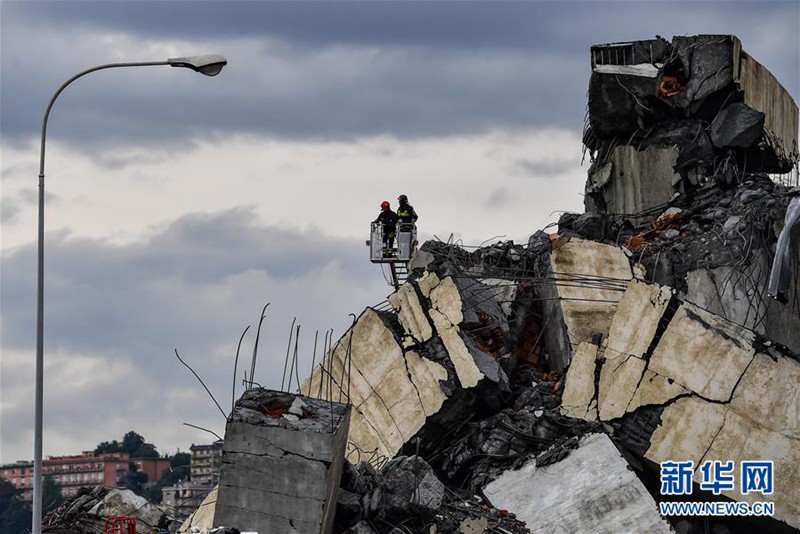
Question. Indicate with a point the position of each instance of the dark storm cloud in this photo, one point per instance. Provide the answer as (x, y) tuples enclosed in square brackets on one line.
[(348, 69), (542, 169), (114, 314), (156, 292), (466, 24), (540, 25)]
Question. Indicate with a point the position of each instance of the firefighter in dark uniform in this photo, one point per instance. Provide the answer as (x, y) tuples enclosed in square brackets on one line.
[(388, 219), (405, 211)]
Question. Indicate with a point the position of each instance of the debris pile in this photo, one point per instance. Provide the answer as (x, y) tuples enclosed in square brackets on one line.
[(538, 388), (87, 512), (668, 118), (406, 496), (531, 425)]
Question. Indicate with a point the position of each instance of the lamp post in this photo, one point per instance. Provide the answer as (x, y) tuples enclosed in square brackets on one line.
[(210, 65)]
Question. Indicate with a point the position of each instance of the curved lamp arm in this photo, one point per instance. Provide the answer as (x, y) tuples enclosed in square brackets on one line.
[(209, 65)]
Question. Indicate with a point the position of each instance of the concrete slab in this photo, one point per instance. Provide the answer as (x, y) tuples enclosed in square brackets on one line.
[(587, 281), (591, 491), (468, 373), (392, 392), (410, 313), (630, 334), (723, 399), (579, 390), (703, 353), (203, 517)]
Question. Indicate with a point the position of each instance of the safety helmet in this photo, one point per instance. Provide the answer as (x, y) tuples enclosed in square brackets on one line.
[(385, 204), (402, 199)]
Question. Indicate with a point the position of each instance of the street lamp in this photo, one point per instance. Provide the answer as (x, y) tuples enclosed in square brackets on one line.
[(209, 65)]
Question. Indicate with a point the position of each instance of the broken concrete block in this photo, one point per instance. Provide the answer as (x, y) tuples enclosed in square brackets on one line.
[(466, 303), (630, 335), (591, 491), (201, 519), (693, 351), (729, 292), (640, 180), (707, 61), (504, 293), (737, 125), (637, 318), (392, 393), (467, 371), (768, 393), (588, 279), (474, 298), (579, 392), (297, 407), (620, 377), (654, 389), (724, 399), (410, 313), (408, 485), (299, 462), (420, 260), (427, 282), (446, 299), (694, 429), (708, 79), (124, 502), (703, 353), (424, 373)]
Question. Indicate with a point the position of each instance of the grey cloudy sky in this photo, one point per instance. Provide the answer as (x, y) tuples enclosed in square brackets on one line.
[(178, 205)]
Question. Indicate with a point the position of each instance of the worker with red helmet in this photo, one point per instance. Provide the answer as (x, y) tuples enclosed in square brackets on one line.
[(388, 219)]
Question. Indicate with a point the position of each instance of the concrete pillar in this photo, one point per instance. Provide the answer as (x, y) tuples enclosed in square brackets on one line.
[(282, 463)]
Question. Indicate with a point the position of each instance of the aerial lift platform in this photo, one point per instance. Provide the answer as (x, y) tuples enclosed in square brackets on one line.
[(397, 258)]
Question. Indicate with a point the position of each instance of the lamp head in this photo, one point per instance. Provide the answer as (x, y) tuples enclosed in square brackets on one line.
[(210, 65)]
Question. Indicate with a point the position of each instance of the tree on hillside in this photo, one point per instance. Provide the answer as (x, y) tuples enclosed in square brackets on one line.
[(180, 459), (135, 445), (108, 446), (132, 443), (15, 516)]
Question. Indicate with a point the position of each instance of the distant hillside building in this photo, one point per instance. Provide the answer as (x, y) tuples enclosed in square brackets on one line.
[(84, 470), (153, 467), (184, 497), (205, 463), (20, 474)]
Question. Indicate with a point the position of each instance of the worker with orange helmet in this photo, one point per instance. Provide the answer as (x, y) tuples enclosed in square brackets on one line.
[(388, 219)]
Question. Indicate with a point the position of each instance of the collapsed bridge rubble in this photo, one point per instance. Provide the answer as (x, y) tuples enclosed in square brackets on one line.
[(89, 509), (465, 390), (645, 319), (538, 387)]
